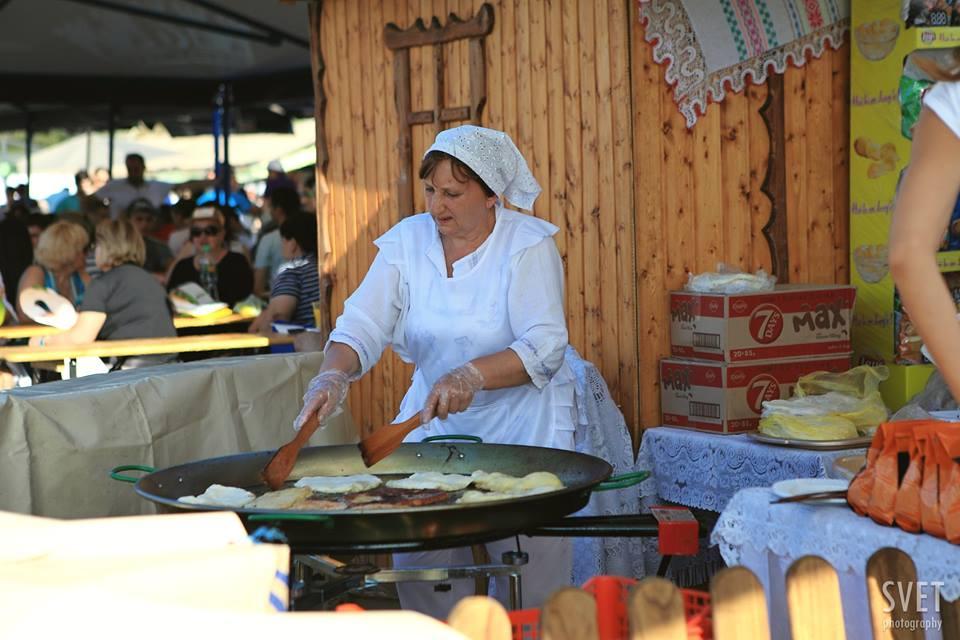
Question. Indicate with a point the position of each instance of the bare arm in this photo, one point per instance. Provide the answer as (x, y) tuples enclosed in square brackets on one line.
[(926, 200), (32, 277), (280, 308), (341, 357), (84, 331), (502, 369), (260, 288)]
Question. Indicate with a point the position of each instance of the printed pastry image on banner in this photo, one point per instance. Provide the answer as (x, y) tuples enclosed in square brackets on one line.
[(712, 47)]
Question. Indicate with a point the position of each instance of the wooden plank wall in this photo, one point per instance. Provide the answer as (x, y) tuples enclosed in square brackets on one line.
[(698, 191), (639, 199)]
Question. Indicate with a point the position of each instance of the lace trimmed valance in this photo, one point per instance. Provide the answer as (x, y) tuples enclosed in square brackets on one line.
[(711, 46)]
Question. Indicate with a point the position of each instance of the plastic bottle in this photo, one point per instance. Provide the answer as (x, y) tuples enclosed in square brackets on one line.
[(208, 273)]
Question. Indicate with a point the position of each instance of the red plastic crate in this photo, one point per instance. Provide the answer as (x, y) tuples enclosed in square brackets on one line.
[(611, 593)]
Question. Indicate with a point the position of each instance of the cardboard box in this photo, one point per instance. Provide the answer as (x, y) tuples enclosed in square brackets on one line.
[(727, 398), (792, 321)]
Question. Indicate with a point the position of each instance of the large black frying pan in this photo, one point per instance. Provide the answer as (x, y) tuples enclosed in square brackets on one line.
[(433, 526)]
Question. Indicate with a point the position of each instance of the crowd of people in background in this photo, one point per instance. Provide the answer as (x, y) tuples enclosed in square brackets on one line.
[(260, 246)]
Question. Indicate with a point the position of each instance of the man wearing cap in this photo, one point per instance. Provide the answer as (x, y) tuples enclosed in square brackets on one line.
[(471, 293)]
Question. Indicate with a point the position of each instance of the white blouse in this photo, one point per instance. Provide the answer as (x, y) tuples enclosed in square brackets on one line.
[(506, 294), (944, 100)]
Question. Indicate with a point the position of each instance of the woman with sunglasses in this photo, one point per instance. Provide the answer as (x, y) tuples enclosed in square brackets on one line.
[(208, 235)]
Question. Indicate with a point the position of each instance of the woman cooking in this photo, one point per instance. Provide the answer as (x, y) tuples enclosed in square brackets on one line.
[(471, 293)]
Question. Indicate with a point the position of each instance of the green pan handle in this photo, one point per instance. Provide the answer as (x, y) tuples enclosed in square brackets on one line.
[(622, 481), (453, 436), (116, 475), (288, 517)]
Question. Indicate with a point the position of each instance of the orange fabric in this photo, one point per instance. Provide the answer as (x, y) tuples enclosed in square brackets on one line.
[(949, 440), (930, 518), (912, 478), (858, 495), (896, 439)]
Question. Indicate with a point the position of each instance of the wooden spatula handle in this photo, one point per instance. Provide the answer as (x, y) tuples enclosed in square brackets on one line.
[(307, 430)]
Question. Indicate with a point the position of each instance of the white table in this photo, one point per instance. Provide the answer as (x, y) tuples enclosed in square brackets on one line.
[(704, 470), (767, 539)]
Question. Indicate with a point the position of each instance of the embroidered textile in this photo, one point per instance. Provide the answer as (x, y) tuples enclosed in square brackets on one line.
[(713, 46)]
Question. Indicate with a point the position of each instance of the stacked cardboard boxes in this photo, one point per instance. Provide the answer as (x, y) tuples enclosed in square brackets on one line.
[(730, 352)]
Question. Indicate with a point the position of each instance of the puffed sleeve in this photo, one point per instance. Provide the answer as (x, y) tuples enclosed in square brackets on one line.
[(371, 313), (535, 304)]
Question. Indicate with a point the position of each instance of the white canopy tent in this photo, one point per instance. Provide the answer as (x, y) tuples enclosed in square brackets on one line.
[(147, 58), (104, 64)]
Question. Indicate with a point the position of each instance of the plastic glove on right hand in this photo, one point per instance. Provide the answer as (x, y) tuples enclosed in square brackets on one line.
[(325, 394), (452, 393)]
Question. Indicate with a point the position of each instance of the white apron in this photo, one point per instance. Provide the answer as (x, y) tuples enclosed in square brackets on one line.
[(446, 322)]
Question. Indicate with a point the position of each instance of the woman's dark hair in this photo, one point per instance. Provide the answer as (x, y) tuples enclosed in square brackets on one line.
[(41, 220), (460, 171), (287, 199), (184, 209), (302, 228)]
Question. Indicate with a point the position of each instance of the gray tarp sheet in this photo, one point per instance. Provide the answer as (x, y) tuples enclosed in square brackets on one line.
[(58, 441)]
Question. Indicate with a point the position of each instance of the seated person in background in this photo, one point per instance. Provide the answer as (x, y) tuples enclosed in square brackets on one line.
[(158, 256), (74, 202), (284, 202), (16, 255), (236, 238), (181, 212), (297, 285), (126, 301), (37, 223), (234, 280), (60, 255)]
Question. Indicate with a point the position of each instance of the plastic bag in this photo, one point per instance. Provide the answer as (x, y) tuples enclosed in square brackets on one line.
[(828, 427), (865, 413), (249, 307), (729, 279), (858, 382)]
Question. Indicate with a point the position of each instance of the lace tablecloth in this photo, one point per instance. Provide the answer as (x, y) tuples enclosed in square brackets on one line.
[(768, 538), (705, 470)]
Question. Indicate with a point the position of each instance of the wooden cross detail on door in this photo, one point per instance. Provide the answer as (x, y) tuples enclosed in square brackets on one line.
[(400, 41)]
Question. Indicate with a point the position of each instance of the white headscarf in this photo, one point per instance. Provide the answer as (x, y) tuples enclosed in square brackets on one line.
[(494, 158)]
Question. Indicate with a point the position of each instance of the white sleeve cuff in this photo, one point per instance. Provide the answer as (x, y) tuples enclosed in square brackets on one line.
[(540, 364)]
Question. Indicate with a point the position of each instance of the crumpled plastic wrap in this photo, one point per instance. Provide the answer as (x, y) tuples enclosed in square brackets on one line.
[(829, 406), (858, 382), (863, 413), (729, 279), (808, 427)]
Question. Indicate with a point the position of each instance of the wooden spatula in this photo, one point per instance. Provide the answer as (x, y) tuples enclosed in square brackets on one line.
[(385, 440), (278, 469)]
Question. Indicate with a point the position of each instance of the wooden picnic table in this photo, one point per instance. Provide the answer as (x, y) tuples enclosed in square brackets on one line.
[(181, 322), (143, 347)]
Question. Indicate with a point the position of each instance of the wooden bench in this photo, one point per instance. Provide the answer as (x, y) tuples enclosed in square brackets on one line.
[(11, 332), (738, 607), (140, 347)]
